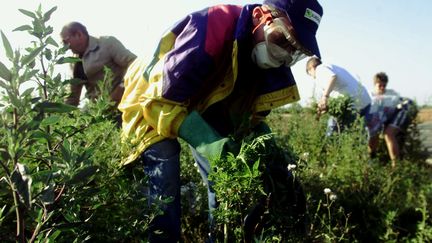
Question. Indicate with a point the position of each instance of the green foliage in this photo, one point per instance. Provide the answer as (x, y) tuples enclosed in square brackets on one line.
[(371, 197), (60, 179)]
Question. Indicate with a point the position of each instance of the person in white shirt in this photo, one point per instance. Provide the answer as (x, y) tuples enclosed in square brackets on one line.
[(337, 80)]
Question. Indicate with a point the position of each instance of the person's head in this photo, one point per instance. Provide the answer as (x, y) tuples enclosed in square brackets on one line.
[(311, 65), (380, 82), (284, 31), (75, 35)]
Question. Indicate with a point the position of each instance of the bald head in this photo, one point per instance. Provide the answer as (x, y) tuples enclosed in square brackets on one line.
[(75, 35)]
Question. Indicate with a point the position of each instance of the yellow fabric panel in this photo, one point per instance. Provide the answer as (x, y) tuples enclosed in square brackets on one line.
[(147, 118), (135, 86), (134, 130), (166, 43), (275, 99), (164, 115)]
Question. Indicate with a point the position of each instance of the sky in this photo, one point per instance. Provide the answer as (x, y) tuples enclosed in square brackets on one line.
[(365, 37)]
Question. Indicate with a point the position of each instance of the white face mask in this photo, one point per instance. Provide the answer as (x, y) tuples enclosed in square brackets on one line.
[(281, 44), (262, 57)]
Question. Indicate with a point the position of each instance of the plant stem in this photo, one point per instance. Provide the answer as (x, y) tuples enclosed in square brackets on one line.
[(18, 211)]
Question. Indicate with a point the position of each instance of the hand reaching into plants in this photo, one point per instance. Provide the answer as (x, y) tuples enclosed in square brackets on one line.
[(218, 149), (200, 135), (322, 106)]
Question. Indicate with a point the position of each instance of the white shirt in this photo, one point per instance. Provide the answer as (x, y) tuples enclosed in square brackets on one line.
[(385, 105), (345, 84)]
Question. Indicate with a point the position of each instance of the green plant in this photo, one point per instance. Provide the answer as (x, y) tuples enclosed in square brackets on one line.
[(59, 165), (331, 231), (258, 193)]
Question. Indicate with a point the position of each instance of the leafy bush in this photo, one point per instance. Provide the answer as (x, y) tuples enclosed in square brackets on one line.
[(60, 178)]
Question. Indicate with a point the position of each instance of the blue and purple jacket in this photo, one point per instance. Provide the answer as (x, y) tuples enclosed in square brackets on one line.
[(202, 63)]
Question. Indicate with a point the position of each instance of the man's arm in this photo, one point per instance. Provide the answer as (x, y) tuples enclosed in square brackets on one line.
[(327, 91), (122, 57), (76, 88), (74, 97), (120, 54)]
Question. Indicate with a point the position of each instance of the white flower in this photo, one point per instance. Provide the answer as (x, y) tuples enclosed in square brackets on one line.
[(333, 197), (305, 155), (291, 166), (327, 191)]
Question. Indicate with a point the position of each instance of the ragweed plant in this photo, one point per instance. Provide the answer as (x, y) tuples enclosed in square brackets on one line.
[(59, 176), (257, 193)]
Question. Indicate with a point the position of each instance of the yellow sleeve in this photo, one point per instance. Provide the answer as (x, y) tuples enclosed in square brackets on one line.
[(144, 109), (164, 116)]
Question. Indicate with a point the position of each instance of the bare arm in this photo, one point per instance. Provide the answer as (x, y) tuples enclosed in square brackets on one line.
[(327, 91)]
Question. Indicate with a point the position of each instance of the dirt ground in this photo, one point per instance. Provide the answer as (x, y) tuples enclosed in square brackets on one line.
[(424, 115)]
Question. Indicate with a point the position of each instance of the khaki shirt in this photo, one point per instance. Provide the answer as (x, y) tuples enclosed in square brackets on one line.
[(103, 51)]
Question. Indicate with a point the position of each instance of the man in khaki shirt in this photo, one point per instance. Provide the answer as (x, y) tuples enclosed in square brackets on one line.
[(95, 54)]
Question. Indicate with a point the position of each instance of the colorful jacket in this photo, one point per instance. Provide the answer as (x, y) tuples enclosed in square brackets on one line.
[(202, 63)]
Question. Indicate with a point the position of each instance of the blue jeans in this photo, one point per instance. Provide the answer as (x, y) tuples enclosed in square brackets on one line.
[(161, 163)]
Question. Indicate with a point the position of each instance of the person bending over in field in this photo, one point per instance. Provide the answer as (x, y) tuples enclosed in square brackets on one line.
[(215, 76)]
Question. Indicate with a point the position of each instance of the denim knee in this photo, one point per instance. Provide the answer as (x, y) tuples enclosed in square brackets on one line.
[(161, 163)]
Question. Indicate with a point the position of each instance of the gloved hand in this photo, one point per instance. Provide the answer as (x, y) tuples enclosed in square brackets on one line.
[(200, 135), (218, 149)]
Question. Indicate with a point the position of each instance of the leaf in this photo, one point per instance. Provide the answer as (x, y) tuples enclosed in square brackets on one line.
[(48, 195), (65, 151), (13, 99), (255, 167), (28, 13), (32, 124), (74, 81), (49, 30), (3, 85), (83, 174), (22, 182), (23, 28), (51, 41), (47, 15), (50, 120), (64, 60), (7, 46), (38, 28), (36, 99), (52, 107), (4, 72), (48, 54), (29, 75), (39, 135), (2, 212), (85, 155), (31, 56), (27, 92), (53, 237), (70, 217)]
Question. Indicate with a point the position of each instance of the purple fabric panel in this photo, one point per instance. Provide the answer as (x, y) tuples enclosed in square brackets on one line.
[(187, 64)]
